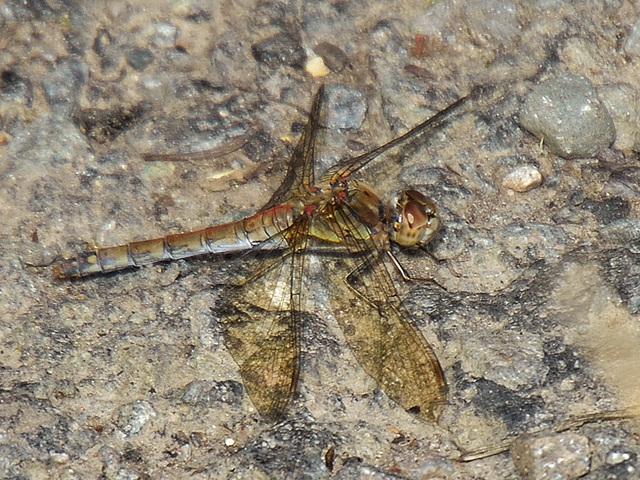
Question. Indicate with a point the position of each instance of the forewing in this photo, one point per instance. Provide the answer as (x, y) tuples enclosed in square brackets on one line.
[(300, 169), (261, 321), (383, 339), (351, 165)]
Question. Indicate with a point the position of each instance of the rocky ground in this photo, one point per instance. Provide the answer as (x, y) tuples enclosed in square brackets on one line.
[(127, 376)]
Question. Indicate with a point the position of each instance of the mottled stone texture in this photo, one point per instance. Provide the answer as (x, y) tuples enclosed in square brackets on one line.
[(533, 311)]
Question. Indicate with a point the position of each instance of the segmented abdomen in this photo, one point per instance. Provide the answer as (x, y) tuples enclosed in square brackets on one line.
[(261, 228)]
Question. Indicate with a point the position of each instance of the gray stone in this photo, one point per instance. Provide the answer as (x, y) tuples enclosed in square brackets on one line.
[(49, 140), (210, 393), (508, 358), (566, 113), (139, 58), (621, 100), (632, 45), (165, 35), (355, 469), (493, 22), (133, 416), (63, 85), (280, 49), (559, 457), (346, 107), (334, 58)]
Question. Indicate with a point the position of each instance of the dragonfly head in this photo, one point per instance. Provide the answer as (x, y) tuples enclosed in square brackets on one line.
[(415, 219)]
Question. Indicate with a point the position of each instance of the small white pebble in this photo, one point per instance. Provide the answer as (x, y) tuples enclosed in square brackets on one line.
[(522, 178), (567, 385), (229, 442), (614, 458), (57, 457), (316, 68)]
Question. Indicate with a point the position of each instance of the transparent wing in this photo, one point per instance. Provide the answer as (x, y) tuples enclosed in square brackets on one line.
[(383, 339), (352, 165), (261, 322), (300, 170), (261, 317)]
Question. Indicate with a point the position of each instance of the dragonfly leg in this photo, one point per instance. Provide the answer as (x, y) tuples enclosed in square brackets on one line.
[(358, 280), (407, 277)]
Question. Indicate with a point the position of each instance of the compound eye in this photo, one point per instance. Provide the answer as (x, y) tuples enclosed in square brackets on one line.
[(417, 221)]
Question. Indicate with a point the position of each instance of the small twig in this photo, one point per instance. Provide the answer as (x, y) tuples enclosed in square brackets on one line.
[(235, 143)]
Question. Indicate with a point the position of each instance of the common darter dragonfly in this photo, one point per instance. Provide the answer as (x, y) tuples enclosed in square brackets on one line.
[(338, 215)]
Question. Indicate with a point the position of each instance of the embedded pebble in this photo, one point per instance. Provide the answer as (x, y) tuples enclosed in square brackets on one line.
[(64, 84), (522, 178), (334, 58), (165, 35), (278, 50), (532, 241), (615, 457), (508, 358), (139, 58), (113, 466), (156, 170), (15, 89), (568, 115), (558, 457), (133, 416), (493, 22), (16, 98), (346, 107), (206, 393), (632, 45), (56, 457), (51, 139), (580, 54), (621, 101)]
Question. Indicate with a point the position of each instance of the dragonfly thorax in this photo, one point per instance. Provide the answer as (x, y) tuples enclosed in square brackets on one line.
[(363, 202), (414, 219)]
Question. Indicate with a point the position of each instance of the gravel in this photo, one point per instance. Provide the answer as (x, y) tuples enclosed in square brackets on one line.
[(528, 293)]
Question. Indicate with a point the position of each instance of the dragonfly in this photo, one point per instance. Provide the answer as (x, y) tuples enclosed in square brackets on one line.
[(261, 315)]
